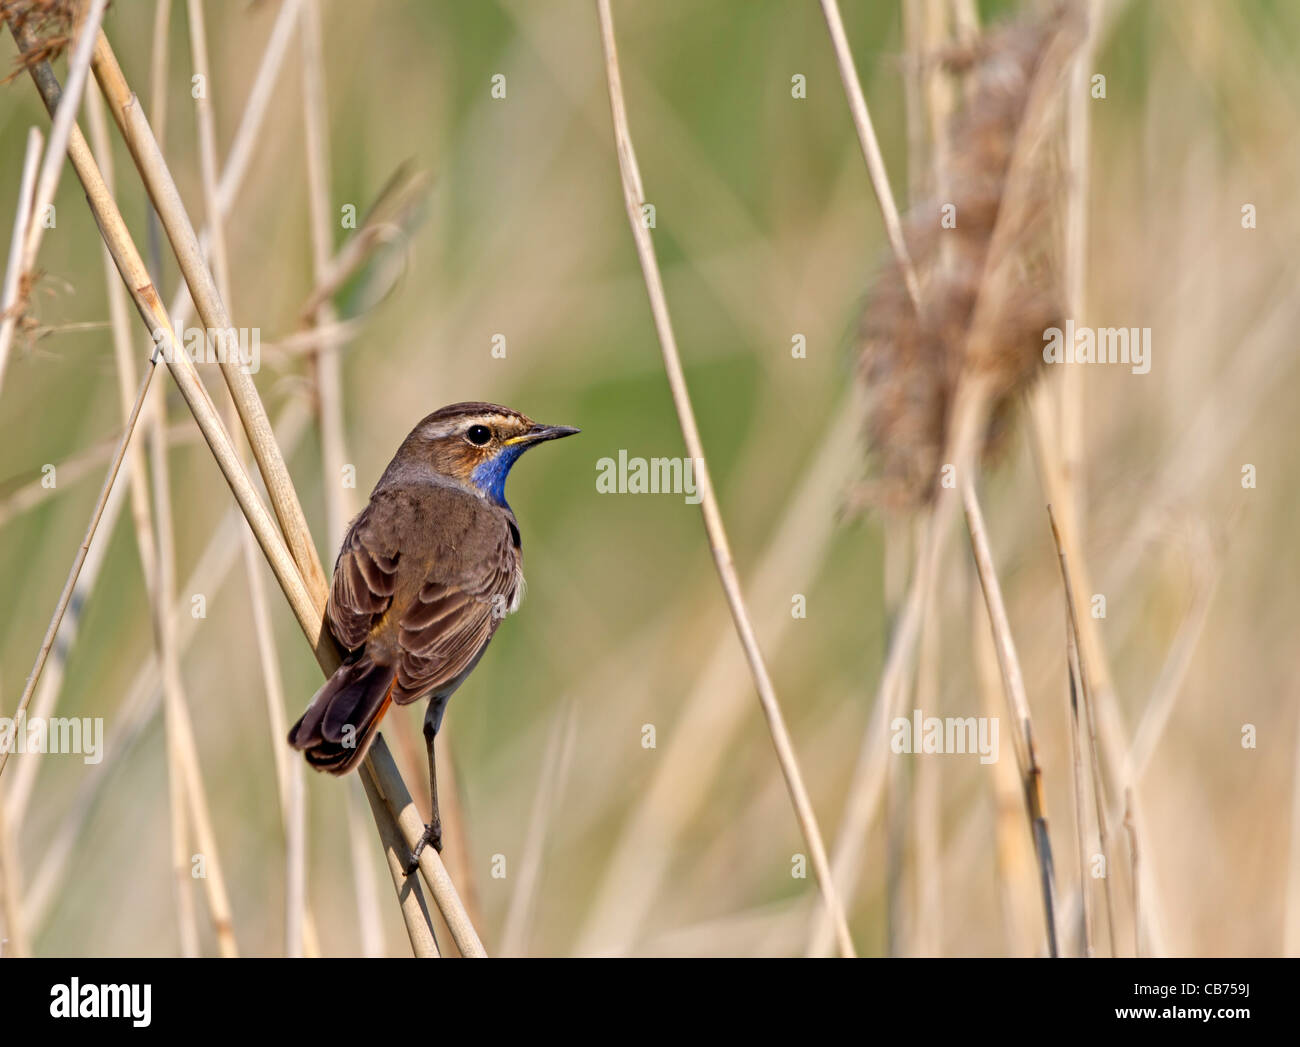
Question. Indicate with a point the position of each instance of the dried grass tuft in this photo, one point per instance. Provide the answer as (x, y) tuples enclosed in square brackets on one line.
[(51, 23), (909, 363)]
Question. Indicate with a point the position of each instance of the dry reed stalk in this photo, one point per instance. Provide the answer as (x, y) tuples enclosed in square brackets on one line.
[(867, 783), (715, 709), (119, 319), (927, 796), (182, 751), (1013, 686), (232, 178), (1130, 826), (187, 927), (939, 108), (455, 826), (135, 130), (392, 212), (915, 35), (262, 628), (159, 66), (80, 558), (15, 270), (150, 547), (337, 511), (145, 296), (982, 361), (384, 775), (291, 798), (634, 198), (247, 135), (47, 182), (326, 359), (1051, 479), (143, 698), (410, 897), (22, 778), (1085, 687), (308, 612), (204, 579), (339, 506), (77, 467), (13, 920), (905, 781), (1078, 777), (1068, 449), (1156, 715), (556, 760), (870, 147), (1071, 384), (370, 927), (1164, 693), (1014, 858)]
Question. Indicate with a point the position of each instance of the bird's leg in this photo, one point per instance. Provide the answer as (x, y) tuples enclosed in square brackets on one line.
[(433, 831)]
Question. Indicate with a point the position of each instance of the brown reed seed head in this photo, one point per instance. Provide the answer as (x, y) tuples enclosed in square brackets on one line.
[(51, 21), (909, 364)]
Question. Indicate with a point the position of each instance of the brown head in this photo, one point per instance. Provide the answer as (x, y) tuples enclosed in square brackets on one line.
[(473, 444)]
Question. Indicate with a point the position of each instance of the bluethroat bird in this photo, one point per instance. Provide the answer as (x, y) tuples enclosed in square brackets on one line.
[(426, 573)]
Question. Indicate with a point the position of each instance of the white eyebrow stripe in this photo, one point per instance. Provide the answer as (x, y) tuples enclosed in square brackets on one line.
[(436, 431)]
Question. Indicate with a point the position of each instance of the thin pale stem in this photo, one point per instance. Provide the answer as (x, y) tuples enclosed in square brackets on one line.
[(1086, 693), (156, 577), (15, 271), (1013, 686), (136, 277), (1080, 793), (384, 774), (143, 698), (329, 383), (634, 199), (870, 148), (47, 182), (82, 550), (13, 921), (410, 897), (715, 709), (167, 201), (523, 900), (308, 609), (291, 799), (1130, 826)]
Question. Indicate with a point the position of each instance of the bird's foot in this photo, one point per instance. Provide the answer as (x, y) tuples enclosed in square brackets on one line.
[(432, 835)]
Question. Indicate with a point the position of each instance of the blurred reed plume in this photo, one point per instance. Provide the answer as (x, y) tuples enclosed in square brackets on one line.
[(51, 21), (910, 362)]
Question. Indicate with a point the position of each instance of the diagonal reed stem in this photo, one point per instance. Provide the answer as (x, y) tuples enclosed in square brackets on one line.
[(634, 197), (80, 558), (870, 147), (167, 201), (1013, 684), (308, 608), (47, 182), (1080, 669)]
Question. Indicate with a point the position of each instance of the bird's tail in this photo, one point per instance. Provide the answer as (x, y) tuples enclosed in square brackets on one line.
[(339, 724)]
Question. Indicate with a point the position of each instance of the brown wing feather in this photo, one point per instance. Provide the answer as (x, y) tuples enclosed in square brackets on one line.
[(447, 627), (365, 579)]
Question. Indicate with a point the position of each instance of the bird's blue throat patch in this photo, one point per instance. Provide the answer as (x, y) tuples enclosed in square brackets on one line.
[(490, 476)]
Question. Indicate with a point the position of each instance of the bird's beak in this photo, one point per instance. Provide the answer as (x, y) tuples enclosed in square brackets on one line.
[(538, 433)]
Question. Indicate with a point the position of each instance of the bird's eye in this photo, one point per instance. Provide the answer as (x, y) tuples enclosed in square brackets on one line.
[(478, 434)]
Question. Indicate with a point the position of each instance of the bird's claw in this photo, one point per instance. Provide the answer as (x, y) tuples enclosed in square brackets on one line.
[(432, 835)]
